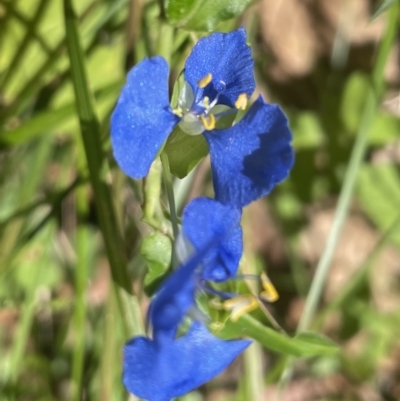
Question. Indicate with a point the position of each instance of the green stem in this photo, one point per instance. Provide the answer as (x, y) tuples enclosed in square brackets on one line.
[(81, 281), (165, 41), (357, 280), (91, 138), (254, 381), (171, 199), (94, 153), (357, 156)]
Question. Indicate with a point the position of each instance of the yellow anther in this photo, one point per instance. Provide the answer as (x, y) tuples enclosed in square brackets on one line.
[(206, 102), (240, 305), (241, 102), (269, 294), (208, 121), (178, 111), (203, 82)]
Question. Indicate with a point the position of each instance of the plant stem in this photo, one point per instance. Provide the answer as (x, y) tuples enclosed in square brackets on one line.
[(170, 192), (346, 193), (356, 159), (91, 135)]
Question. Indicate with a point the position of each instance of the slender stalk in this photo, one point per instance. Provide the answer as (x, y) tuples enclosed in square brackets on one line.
[(170, 192), (91, 138), (165, 41), (357, 156), (171, 200), (254, 383), (94, 152), (253, 356), (81, 280), (164, 47), (361, 274)]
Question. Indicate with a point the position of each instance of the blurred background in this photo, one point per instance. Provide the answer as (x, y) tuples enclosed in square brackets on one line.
[(61, 330)]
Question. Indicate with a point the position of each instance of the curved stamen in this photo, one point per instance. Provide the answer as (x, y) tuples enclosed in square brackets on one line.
[(206, 103), (270, 293), (219, 92), (198, 115), (208, 121), (240, 305)]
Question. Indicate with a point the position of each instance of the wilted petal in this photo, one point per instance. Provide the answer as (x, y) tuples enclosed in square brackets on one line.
[(161, 372), (250, 158), (142, 119), (227, 57), (201, 220)]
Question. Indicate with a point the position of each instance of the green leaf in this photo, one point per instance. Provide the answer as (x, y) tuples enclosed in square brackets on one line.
[(384, 129), (318, 343), (385, 4), (50, 119), (184, 152), (156, 250), (308, 131), (202, 15), (353, 101), (303, 345), (378, 191)]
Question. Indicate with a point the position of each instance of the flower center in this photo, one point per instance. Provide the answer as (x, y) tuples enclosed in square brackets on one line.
[(236, 304), (240, 304), (201, 114)]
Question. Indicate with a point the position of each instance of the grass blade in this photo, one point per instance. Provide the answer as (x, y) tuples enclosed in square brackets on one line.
[(29, 36), (356, 159), (94, 153)]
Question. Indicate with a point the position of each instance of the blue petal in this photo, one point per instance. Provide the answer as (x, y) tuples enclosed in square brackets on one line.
[(177, 293), (248, 159), (161, 372), (142, 119), (228, 58), (202, 219)]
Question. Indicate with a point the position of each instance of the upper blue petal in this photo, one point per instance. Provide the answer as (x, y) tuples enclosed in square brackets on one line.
[(142, 119), (161, 372), (228, 58), (202, 219), (248, 159)]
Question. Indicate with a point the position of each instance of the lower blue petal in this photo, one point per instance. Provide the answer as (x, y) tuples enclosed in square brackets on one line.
[(201, 220), (161, 372), (176, 294), (142, 119), (250, 158)]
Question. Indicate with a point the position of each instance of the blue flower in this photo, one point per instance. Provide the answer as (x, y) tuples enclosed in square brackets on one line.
[(167, 365), (160, 372), (205, 218), (247, 159)]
